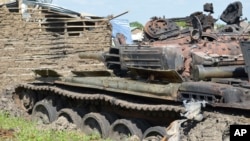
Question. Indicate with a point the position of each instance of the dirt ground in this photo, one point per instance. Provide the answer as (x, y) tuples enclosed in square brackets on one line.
[(214, 127), (7, 134)]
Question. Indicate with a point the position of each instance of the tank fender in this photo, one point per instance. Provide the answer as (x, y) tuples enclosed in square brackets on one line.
[(216, 95), (121, 85), (218, 92)]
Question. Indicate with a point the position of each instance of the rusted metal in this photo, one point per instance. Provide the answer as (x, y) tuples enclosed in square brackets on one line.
[(159, 28)]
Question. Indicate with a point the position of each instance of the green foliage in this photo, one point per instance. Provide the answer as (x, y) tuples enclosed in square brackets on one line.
[(181, 24), (218, 26), (136, 24), (27, 131)]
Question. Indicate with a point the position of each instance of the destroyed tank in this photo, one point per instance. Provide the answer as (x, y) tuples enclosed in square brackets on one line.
[(143, 89)]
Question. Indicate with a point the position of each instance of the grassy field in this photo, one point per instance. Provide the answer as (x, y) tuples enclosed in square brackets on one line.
[(18, 129)]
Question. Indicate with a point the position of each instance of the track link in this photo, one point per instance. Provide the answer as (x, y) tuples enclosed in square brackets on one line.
[(214, 119), (109, 99)]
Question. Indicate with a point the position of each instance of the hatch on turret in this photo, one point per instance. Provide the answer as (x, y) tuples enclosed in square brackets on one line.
[(232, 14)]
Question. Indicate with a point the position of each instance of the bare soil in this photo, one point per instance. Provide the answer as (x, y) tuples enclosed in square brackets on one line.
[(6, 134), (213, 127)]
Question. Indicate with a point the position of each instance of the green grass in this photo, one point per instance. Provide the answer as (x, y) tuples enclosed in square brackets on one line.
[(27, 131)]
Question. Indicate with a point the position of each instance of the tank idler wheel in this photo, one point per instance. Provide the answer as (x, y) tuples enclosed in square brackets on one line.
[(154, 133), (26, 100), (123, 129), (96, 123), (71, 116), (44, 113)]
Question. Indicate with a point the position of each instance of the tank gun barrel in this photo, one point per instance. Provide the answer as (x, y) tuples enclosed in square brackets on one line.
[(201, 73), (180, 19), (116, 16), (97, 56), (111, 17)]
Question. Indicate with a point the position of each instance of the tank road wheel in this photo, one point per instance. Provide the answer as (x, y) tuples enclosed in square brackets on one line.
[(44, 113), (110, 117), (26, 100), (122, 129), (96, 123), (154, 133), (71, 116)]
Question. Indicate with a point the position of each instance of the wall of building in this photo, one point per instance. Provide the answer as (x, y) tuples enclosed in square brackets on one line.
[(26, 45)]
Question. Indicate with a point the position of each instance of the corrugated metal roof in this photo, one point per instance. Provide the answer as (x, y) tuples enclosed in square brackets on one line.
[(45, 5), (53, 7)]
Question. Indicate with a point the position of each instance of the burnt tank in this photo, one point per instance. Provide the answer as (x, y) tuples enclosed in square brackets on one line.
[(142, 91), (197, 52)]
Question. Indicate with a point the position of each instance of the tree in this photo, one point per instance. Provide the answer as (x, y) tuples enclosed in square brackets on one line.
[(136, 24), (182, 24), (219, 26)]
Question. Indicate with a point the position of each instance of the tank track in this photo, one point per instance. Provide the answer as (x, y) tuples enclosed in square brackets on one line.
[(221, 118), (109, 99)]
